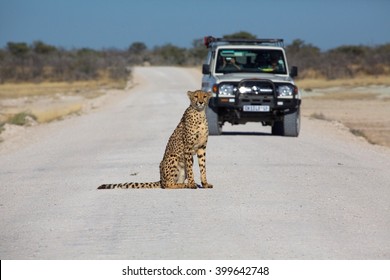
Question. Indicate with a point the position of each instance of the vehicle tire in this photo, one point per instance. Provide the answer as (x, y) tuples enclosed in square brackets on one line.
[(289, 126), (212, 120)]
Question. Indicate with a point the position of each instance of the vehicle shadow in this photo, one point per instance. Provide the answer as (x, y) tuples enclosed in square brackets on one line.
[(245, 133)]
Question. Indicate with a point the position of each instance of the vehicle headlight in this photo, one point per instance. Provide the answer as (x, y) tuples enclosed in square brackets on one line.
[(285, 91), (226, 89)]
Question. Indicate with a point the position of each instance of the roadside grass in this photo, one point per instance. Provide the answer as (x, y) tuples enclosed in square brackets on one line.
[(88, 88), (21, 118), (42, 114), (369, 138), (372, 135), (364, 113), (309, 84), (318, 116), (346, 95), (57, 113)]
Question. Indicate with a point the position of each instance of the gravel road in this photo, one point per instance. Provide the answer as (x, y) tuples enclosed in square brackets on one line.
[(323, 195)]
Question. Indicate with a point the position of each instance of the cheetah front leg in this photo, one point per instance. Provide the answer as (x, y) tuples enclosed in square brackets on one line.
[(201, 153), (189, 171)]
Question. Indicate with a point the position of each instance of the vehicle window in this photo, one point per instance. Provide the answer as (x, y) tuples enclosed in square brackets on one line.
[(250, 60)]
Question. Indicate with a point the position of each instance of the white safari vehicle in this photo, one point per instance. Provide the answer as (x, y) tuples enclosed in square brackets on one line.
[(251, 82)]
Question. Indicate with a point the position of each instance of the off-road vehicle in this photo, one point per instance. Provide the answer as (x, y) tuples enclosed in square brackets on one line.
[(250, 82)]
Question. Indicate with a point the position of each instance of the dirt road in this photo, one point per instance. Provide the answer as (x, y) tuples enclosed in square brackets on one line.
[(324, 195)]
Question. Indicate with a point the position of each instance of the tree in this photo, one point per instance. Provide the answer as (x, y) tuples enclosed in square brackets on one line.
[(137, 53), (240, 35), (169, 55), (198, 52), (18, 49), (306, 56), (299, 46), (41, 48), (137, 48)]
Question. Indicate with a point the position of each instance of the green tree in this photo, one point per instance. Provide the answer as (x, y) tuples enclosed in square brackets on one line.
[(18, 49), (240, 35), (351, 51), (137, 48), (299, 46), (138, 53), (306, 56), (169, 55), (40, 47), (197, 53)]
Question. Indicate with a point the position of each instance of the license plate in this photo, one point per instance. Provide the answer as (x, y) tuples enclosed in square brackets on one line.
[(256, 108)]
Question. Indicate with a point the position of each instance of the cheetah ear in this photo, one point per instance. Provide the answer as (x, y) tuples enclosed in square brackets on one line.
[(190, 94), (209, 94)]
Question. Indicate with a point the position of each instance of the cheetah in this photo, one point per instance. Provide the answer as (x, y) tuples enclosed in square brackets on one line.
[(189, 138)]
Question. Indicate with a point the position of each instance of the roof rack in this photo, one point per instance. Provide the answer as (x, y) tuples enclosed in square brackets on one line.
[(209, 40)]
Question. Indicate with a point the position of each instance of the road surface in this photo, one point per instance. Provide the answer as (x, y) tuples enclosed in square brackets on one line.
[(323, 195)]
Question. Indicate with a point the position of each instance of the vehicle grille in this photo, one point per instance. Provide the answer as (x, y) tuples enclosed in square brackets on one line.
[(256, 88)]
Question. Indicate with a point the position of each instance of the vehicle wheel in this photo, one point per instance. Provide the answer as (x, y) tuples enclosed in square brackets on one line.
[(289, 126), (212, 119)]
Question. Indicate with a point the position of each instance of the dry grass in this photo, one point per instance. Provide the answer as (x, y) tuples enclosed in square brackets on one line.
[(48, 101), (318, 116), (356, 103), (364, 110), (41, 114), (20, 118), (361, 104), (308, 84), (15, 90), (346, 95), (56, 113)]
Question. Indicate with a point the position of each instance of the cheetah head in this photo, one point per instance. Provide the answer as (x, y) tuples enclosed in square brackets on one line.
[(199, 99)]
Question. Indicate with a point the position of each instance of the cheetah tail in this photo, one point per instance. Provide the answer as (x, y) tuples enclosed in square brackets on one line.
[(151, 185)]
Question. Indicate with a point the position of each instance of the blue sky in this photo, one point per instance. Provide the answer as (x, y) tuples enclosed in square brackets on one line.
[(118, 23)]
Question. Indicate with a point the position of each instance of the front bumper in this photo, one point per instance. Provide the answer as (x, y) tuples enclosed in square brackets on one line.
[(259, 101)]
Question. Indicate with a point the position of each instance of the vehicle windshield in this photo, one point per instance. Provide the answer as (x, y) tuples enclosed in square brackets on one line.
[(250, 60)]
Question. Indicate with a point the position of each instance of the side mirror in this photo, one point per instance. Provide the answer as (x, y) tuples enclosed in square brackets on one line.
[(294, 72), (205, 69)]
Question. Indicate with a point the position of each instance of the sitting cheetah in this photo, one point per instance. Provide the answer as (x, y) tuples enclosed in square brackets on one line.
[(189, 138)]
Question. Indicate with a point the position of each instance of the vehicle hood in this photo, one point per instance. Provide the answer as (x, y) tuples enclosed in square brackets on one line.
[(237, 77)]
